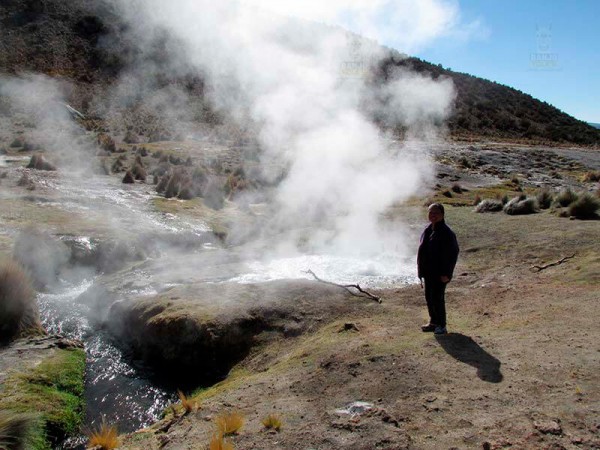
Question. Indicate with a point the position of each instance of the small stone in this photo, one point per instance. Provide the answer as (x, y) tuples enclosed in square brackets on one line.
[(548, 427)]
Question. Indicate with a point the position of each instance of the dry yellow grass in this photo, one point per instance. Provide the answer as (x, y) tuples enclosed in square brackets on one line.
[(106, 437), (189, 404), (218, 443), (272, 422), (229, 424)]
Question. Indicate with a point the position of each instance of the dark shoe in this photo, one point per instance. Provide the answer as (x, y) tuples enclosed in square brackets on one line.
[(428, 328), (440, 330)]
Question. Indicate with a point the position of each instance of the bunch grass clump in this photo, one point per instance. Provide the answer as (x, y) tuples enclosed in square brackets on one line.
[(565, 197), (521, 205), (18, 309), (544, 198), (230, 423), (585, 207), (591, 176), (489, 206), (106, 437), (218, 443), (38, 162), (188, 404), (17, 431), (272, 422)]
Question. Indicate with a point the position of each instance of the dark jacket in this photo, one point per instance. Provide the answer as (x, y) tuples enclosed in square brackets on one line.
[(438, 251)]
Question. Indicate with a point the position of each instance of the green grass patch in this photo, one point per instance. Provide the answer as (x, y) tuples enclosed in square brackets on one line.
[(54, 391)]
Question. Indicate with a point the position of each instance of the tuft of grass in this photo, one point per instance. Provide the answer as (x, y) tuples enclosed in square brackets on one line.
[(128, 178), (54, 391), (218, 443), (38, 162), (565, 197), (106, 437), (585, 207), (457, 188), (17, 431), (544, 198), (489, 206), (591, 176), (139, 172), (521, 205), (272, 422), (189, 404), (229, 424), (18, 309)]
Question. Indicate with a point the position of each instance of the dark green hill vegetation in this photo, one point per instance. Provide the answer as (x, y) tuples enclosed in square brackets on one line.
[(487, 108), (86, 42)]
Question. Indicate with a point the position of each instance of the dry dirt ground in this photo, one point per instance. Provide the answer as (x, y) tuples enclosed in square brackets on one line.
[(519, 368)]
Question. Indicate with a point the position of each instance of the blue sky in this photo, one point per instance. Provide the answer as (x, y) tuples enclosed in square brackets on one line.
[(512, 35)]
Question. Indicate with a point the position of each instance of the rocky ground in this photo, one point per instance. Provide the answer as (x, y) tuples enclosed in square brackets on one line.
[(518, 368)]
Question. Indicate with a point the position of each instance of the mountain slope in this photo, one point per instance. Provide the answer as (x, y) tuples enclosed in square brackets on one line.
[(86, 42)]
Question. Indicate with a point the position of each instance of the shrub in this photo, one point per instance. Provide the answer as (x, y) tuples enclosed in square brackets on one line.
[(128, 178), (130, 137), (38, 162), (173, 185), (117, 166), (138, 172), (18, 308), (565, 197), (106, 437), (106, 142), (16, 431), (17, 142), (272, 422), (447, 193), (186, 192), (520, 206), (162, 184), (544, 198), (476, 200), (585, 207), (489, 206), (457, 188), (229, 424)]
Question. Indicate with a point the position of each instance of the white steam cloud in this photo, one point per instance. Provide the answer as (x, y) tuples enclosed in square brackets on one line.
[(306, 88)]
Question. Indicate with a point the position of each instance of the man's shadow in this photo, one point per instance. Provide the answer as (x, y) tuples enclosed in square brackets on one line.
[(465, 349)]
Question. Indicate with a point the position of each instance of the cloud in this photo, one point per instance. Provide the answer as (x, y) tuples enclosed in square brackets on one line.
[(407, 25)]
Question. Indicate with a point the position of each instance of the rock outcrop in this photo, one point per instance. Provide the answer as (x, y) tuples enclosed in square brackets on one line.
[(199, 331)]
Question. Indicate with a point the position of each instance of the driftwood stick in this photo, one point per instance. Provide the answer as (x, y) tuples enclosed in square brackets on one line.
[(348, 287), (556, 263)]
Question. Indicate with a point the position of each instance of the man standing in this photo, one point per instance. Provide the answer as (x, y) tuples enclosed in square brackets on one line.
[(436, 258)]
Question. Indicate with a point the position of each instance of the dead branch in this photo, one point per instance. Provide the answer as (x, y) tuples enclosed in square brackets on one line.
[(348, 287), (556, 263)]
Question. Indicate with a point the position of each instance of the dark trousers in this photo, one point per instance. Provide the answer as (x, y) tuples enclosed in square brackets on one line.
[(436, 303)]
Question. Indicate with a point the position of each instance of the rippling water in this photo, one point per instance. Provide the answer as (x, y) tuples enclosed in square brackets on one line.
[(115, 390)]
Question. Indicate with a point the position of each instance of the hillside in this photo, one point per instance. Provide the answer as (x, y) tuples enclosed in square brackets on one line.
[(486, 108), (86, 43)]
